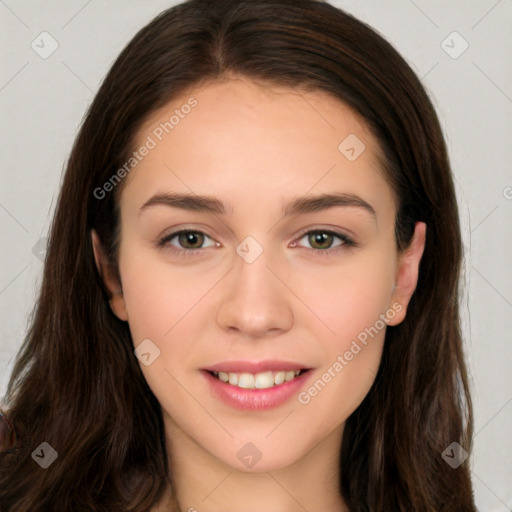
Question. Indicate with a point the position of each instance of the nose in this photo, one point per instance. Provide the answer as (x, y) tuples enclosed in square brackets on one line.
[(254, 302)]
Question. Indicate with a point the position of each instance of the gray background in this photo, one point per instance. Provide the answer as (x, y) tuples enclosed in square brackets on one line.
[(42, 101)]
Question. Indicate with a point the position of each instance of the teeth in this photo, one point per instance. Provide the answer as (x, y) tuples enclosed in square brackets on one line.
[(279, 378), (263, 380), (246, 380)]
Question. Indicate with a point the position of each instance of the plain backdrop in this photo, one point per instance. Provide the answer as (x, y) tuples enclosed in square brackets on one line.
[(468, 75)]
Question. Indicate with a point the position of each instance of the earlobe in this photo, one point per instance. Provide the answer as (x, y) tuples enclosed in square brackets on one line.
[(407, 273), (117, 303)]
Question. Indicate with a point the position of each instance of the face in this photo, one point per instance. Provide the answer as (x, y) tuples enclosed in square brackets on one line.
[(257, 247)]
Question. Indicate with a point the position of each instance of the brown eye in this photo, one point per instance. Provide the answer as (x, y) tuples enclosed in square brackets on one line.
[(186, 241), (320, 239), (191, 239)]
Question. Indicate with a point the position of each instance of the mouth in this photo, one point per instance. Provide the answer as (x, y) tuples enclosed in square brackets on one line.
[(255, 385), (262, 380)]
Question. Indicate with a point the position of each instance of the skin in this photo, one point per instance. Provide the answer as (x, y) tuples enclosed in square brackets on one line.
[(256, 148)]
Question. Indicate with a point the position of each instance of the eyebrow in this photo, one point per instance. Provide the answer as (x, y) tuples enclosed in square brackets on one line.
[(298, 206), (321, 202)]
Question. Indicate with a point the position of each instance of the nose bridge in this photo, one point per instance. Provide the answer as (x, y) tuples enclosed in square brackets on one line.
[(254, 302), (255, 279)]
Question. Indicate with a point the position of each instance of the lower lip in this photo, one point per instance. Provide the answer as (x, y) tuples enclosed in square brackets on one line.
[(255, 399)]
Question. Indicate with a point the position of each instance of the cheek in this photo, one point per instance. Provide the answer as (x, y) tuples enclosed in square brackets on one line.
[(170, 307), (349, 297), (158, 298), (167, 307), (352, 301), (340, 386)]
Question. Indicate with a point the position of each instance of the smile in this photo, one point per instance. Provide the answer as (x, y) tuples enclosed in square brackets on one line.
[(252, 385), (262, 380)]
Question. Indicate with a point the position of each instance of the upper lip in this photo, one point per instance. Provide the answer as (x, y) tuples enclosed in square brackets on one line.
[(254, 366)]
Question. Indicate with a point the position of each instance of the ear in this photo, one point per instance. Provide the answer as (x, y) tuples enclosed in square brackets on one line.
[(407, 273), (117, 303)]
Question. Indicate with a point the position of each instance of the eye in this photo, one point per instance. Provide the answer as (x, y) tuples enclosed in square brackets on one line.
[(187, 240), (323, 240)]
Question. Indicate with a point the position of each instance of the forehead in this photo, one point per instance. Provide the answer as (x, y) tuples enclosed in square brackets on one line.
[(243, 140)]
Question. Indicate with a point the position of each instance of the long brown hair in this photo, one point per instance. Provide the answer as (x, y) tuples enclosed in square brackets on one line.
[(76, 384)]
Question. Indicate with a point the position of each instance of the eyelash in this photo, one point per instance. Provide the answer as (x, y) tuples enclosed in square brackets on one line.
[(347, 242)]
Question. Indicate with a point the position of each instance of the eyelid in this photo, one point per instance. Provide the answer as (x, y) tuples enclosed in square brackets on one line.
[(344, 237), (163, 241), (335, 230)]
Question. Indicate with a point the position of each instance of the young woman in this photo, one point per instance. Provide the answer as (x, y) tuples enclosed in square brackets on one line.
[(250, 293)]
